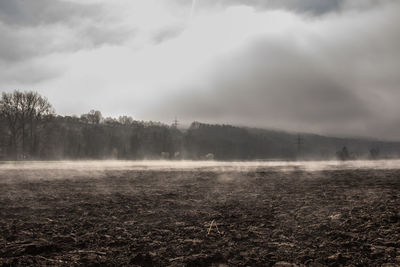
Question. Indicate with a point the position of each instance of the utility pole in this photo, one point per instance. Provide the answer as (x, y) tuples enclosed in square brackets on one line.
[(175, 123), (299, 143)]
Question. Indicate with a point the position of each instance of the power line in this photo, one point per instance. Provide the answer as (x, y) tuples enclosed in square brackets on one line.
[(175, 123), (299, 144)]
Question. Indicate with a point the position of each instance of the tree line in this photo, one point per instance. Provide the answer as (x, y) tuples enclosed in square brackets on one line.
[(30, 129)]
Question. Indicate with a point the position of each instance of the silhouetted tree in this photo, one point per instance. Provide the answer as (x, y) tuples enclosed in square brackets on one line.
[(374, 153), (343, 154), (93, 117), (23, 112), (126, 120)]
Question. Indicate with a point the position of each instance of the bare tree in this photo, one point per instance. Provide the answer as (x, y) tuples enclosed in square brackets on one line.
[(93, 117), (23, 111), (9, 109), (125, 120)]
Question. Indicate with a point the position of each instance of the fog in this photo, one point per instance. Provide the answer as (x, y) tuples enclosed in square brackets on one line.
[(72, 168)]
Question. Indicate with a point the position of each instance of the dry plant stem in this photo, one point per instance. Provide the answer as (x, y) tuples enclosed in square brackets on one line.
[(92, 251), (211, 224), (209, 229), (216, 226), (51, 260)]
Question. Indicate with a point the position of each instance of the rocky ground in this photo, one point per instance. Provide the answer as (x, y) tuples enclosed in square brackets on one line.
[(200, 218)]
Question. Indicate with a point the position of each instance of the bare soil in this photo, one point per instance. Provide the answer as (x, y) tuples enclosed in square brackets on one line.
[(163, 218)]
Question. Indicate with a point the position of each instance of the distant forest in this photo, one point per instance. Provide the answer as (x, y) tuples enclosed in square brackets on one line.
[(31, 130)]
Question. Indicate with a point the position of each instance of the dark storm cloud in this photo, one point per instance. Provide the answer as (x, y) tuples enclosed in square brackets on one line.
[(271, 82), (32, 13), (309, 6), (37, 28), (341, 77), (33, 32)]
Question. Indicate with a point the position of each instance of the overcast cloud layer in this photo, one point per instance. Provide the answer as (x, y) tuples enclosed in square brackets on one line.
[(330, 67)]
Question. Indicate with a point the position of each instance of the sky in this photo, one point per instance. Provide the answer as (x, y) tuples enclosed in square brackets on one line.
[(329, 67)]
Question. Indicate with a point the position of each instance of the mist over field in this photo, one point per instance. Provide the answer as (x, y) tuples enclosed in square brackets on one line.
[(193, 213), (163, 165)]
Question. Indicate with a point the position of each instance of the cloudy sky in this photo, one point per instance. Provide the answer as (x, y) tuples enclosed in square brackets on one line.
[(329, 67)]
